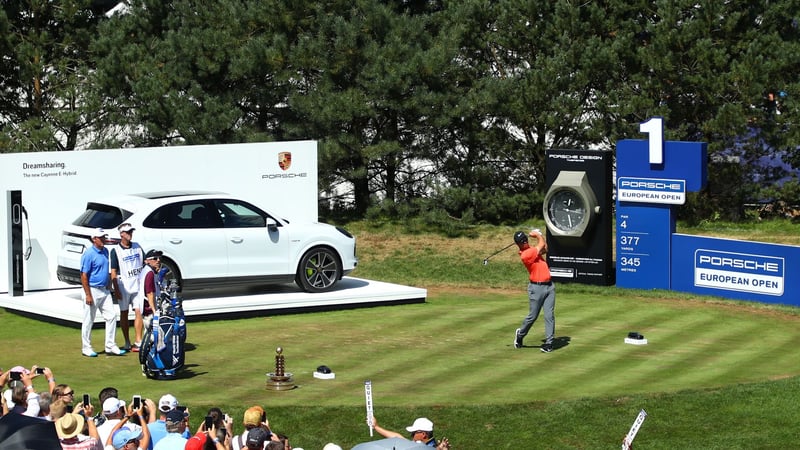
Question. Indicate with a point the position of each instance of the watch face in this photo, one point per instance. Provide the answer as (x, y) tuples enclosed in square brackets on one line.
[(566, 210)]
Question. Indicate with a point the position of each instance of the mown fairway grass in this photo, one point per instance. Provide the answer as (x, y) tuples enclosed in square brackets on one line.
[(715, 374)]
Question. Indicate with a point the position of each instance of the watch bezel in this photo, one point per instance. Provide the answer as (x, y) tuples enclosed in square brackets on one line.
[(578, 183), (551, 209)]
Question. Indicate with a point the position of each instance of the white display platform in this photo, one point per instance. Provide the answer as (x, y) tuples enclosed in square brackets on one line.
[(66, 305)]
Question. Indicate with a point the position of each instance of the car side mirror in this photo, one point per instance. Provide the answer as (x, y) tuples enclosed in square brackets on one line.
[(272, 225)]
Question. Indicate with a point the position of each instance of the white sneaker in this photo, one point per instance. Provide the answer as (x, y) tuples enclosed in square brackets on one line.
[(115, 351)]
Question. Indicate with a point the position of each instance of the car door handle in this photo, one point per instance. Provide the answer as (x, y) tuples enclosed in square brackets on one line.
[(175, 240), (237, 240)]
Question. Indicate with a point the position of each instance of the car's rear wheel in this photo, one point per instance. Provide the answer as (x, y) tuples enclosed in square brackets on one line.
[(320, 269), (169, 271)]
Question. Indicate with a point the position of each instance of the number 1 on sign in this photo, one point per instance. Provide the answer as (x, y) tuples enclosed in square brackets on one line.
[(655, 137)]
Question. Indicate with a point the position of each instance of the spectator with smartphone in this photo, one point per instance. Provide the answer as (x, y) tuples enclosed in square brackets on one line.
[(70, 428), (21, 397), (222, 423), (47, 374), (126, 434), (114, 411), (105, 394), (6, 384), (208, 438), (283, 440)]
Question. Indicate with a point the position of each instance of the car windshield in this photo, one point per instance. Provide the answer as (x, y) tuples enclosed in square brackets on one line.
[(101, 216)]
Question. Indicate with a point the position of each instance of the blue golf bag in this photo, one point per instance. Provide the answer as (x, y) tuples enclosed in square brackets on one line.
[(162, 353)]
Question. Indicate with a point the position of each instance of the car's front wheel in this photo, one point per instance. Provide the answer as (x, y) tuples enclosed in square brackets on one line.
[(319, 270)]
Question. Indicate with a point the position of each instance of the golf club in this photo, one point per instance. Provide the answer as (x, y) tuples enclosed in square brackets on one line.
[(486, 260)]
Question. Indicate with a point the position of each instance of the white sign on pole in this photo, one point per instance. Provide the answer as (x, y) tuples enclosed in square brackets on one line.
[(368, 394), (627, 443)]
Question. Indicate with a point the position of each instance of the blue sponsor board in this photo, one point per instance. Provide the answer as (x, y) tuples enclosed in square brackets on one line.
[(652, 175), (742, 270)]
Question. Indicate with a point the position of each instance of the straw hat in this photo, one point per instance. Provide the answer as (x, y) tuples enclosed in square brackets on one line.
[(69, 425)]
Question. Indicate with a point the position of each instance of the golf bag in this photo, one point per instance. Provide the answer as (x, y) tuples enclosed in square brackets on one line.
[(163, 354)]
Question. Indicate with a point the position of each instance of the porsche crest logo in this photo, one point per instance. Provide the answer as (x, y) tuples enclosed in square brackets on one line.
[(285, 160)]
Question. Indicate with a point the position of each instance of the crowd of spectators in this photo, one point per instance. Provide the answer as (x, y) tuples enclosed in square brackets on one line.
[(108, 422)]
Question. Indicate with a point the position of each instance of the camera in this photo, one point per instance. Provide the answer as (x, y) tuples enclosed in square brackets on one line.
[(16, 376), (85, 399), (40, 370), (137, 402), (209, 422)]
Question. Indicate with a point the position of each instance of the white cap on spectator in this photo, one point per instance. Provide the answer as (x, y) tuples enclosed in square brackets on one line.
[(167, 403), (421, 424), (112, 405)]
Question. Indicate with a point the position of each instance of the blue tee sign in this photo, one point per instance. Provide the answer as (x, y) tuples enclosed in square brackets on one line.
[(643, 245), (652, 178)]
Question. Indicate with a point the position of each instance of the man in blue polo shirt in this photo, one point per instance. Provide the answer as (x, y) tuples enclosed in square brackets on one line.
[(96, 279)]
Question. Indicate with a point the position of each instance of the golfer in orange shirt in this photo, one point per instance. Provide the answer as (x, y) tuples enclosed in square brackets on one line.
[(541, 291)]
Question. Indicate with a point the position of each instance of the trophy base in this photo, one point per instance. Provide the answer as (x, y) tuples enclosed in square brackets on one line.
[(280, 382)]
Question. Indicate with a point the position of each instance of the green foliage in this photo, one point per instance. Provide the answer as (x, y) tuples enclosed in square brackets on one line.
[(429, 106), (46, 79), (422, 216), (491, 206), (455, 211), (784, 201)]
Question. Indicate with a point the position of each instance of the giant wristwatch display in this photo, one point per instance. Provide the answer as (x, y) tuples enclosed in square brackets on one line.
[(570, 205)]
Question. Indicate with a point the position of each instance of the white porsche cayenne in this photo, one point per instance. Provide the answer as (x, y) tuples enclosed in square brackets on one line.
[(213, 240)]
